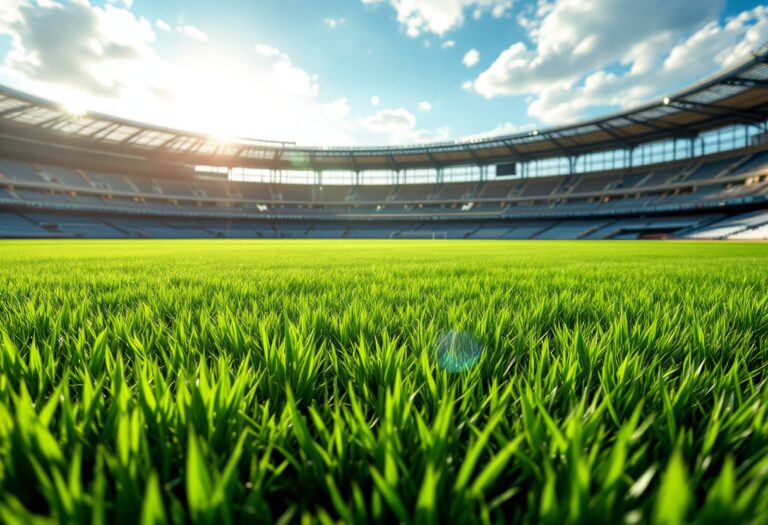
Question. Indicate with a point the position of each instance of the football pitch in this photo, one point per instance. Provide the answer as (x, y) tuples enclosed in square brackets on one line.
[(383, 381)]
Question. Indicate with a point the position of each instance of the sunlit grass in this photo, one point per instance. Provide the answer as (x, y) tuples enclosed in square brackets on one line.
[(262, 382)]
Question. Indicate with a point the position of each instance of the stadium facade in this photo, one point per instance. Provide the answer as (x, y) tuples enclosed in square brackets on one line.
[(692, 165)]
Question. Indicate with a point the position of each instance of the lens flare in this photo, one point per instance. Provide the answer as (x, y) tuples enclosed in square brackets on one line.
[(457, 351)]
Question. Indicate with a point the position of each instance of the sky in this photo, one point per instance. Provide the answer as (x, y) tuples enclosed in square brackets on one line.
[(361, 72)]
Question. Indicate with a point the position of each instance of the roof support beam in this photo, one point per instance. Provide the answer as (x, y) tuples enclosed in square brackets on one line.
[(746, 82), (53, 121), (614, 133), (168, 142), (511, 147), (312, 162), (473, 154), (558, 145), (664, 130), (239, 151), (392, 163), (432, 158), (108, 128), (195, 147), (17, 109), (717, 111), (133, 135)]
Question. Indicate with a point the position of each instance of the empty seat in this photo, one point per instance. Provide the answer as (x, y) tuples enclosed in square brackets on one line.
[(20, 171), (543, 187), (14, 225), (453, 191), (64, 176), (331, 193), (758, 161), (175, 188), (257, 191), (709, 170), (414, 192), (592, 184), (294, 192), (374, 193), (114, 182)]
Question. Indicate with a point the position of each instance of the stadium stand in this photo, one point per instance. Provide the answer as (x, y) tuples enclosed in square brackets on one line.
[(677, 168), (744, 226)]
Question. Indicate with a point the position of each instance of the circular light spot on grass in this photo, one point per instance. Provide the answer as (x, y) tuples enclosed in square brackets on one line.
[(457, 351)]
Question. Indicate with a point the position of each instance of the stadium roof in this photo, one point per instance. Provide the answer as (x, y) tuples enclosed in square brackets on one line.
[(736, 96)]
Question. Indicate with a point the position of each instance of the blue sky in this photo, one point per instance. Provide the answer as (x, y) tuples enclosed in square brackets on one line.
[(368, 71)]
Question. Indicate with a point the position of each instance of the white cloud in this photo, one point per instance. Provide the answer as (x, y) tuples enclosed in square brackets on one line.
[(471, 58), (448, 44), (593, 53), (162, 25), (399, 126), (499, 9), (333, 23), (294, 80), (440, 16), (268, 51), (192, 32), (425, 106), (375, 101), (76, 44), (9, 13), (102, 59), (467, 86), (439, 135), (338, 109)]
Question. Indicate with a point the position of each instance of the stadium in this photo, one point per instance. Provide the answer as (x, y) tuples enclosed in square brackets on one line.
[(373, 313), (691, 165)]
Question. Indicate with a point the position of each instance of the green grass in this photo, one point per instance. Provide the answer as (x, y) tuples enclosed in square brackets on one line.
[(281, 382)]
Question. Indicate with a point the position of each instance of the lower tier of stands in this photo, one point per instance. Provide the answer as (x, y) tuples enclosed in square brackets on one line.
[(23, 223)]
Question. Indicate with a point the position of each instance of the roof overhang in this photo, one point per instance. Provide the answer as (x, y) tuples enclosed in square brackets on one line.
[(736, 96)]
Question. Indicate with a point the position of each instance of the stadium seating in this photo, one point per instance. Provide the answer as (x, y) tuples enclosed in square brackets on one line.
[(528, 230), (588, 206), (293, 192), (752, 234), (490, 232), (591, 184), (755, 162), (14, 225), (453, 191), (332, 193), (570, 230), (744, 225), (114, 182), (629, 180), (537, 188), (372, 193), (19, 171), (63, 176), (710, 170)]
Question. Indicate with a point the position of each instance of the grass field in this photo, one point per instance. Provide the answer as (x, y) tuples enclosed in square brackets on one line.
[(424, 382)]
